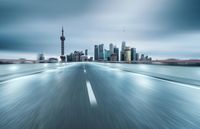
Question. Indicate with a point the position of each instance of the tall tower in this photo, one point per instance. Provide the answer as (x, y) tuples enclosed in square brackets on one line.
[(123, 50), (62, 38), (96, 52)]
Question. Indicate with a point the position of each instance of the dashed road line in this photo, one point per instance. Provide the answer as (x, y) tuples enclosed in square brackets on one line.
[(92, 98)]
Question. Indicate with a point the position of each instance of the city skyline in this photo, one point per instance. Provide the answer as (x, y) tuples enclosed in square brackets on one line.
[(99, 64), (162, 29), (114, 54)]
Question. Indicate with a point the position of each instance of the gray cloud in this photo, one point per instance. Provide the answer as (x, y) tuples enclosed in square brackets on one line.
[(34, 25), (182, 15), (16, 11)]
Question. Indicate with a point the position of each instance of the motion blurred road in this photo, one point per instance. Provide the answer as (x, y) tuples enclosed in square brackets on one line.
[(94, 96)]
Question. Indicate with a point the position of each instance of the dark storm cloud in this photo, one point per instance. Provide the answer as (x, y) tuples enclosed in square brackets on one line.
[(13, 14), (165, 18), (181, 15), (19, 43), (16, 11)]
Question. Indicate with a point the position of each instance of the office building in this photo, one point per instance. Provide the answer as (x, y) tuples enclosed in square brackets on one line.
[(96, 52), (111, 48), (41, 58), (75, 57), (133, 54), (113, 57), (127, 54), (116, 51), (86, 52), (83, 58), (101, 52), (146, 58), (123, 46), (107, 55), (142, 57), (137, 57), (122, 56), (122, 53)]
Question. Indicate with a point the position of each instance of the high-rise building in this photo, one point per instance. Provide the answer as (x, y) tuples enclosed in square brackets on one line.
[(77, 56), (116, 51), (133, 54), (107, 55), (62, 38), (113, 57), (111, 48), (142, 57), (101, 52), (96, 52), (122, 53), (146, 58), (123, 46), (41, 58), (127, 54), (137, 56), (86, 52), (70, 57)]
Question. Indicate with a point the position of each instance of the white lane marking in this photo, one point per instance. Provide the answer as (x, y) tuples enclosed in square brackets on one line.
[(93, 101), (193, 86), (14, 79)]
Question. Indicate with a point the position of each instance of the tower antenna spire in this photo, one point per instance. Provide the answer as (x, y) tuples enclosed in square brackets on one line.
[(62, 38), (62, 31)]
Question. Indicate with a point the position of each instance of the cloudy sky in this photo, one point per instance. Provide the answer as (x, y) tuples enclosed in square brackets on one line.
[(160, 28)]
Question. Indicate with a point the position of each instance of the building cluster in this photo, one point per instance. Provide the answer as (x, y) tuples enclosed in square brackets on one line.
[(101, 54), (78, 56), (41, 59), (127, 54)]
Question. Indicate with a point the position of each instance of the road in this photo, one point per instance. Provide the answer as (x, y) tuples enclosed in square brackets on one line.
[(93, 96)]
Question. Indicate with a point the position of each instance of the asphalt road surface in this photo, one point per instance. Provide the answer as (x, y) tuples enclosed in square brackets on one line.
[(93, 96)]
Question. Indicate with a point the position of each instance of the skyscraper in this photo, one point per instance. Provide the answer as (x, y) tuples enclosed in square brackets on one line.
[(101, 52), (107, 55), (133, 54), (122, 50), (41, 58), (86, 52), (111, 47), (62, 38), (142, 57), (123, 46), (116, 51), (137, 56), (146, 58), (96, 52), (122, 55), (127, 54)]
